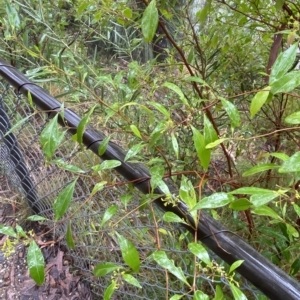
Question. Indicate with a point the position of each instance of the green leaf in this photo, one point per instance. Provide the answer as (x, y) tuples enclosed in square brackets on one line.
[(178, 91), (82, 125), (203, 13), (199, 295), (110, 290), (106, 165), (136, 131), (7, 230), (196, 79), (259, 168), (266, 211), (105, 268), (131, 280), (291, 165), (240, 204), (175, 145), (36, 263), (283, 63), (232, 112), (134, 150), (187, 192), (279, 4), (219, 294), (295, 267), (215, 143), (103, 145), (176, 297), (65, 166), (62, 202), (69, 237), (210, 134), (286, 83), (297, 209), (235, 265), (292, 231), (20, 231), (109, 213), (98, 187), (161, 109), (251, 191), (237, 293), (36, 218), (262, 199), (171, 217), (150, 21), (18, 124), (280, 155), (258, 101), (294, 118), (51, 137), (213, 201), (129, 253), (161, 258), (198, 250), (127, 12), (202, 153)]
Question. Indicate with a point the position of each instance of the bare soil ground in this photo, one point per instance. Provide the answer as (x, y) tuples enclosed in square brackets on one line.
[(60, 283)]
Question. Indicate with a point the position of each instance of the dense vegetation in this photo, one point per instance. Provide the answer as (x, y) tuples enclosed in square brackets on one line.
[(204, 93)]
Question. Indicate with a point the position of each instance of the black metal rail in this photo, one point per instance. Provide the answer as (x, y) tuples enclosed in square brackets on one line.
[(267, 277)]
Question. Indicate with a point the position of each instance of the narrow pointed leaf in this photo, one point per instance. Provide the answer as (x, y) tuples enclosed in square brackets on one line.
[(287, 83), (161, 258), (51, 137), (178, 91), (294, 118), (260, 168), (105, 268), (235, 265), (136, 131), (175, 145), (134, 150), (109, 213), (7, 230), (266, 211), (130, 279), (237, 293), (171, 217), (202, 153), (82, 125), (262, 199), (291, 165), (283, 63), (240, 204), (213, 201), (109, 291), (210, 134), (150, 21), (129, 253), (258, 101), (69, 237), (198, 250), (62, 202), (232, 112), (215, 143), (36, 263)]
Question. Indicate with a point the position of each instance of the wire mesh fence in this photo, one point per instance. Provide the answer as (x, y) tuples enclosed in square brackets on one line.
[(30, 182)]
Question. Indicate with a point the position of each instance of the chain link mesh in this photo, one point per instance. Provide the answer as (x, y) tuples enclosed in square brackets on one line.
[(95, 242)]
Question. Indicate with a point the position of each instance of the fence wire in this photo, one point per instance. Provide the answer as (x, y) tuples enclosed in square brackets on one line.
[(28, 180)]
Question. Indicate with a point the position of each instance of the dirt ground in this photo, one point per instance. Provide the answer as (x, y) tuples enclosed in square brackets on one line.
[(60, 283)]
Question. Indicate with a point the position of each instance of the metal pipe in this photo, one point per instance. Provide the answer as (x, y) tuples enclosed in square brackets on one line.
[(267, 277)]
